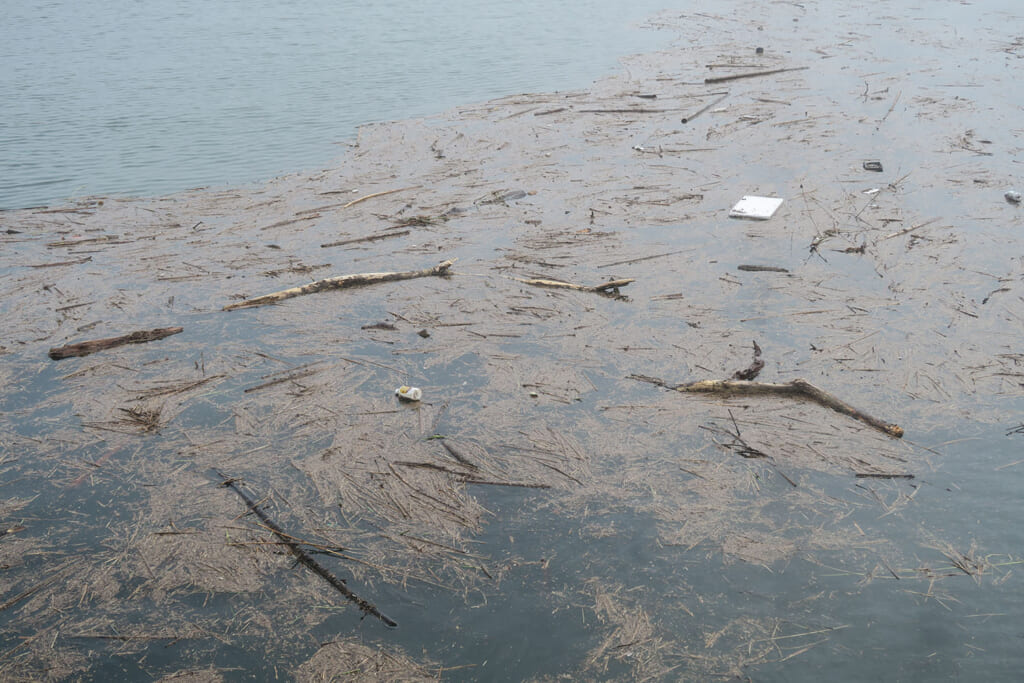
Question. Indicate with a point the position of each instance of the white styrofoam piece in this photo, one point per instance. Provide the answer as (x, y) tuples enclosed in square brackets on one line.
[(761, 208)]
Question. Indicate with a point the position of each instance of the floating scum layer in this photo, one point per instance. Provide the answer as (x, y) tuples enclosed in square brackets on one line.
[(554, 249)]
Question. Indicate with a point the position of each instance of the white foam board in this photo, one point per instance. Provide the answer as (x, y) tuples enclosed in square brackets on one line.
[(760, 208)]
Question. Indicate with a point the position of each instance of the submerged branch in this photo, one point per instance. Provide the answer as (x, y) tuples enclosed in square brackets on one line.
[(303, 557)]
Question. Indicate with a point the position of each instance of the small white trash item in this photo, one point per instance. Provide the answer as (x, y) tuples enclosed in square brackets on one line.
[(758, 208), (408, 393)]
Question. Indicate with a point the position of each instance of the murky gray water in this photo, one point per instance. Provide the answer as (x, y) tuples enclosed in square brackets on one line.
[(150, 98), (923, 328)]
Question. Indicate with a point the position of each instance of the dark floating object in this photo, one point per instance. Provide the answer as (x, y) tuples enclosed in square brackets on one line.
[(751, 372), (875, 166), (87, 347), (379, 326), (761, 269), (884, 475), (302, 556)]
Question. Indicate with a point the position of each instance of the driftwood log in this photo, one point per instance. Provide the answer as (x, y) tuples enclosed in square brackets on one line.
[(342, 282), (87, 347), (610, 287), (797, 388)]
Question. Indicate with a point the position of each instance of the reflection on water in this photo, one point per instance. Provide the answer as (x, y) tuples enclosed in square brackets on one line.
[(149, 98)]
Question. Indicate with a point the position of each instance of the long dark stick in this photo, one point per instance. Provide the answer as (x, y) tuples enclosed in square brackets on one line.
[(303, 557), (691, 117), (87, 347), (753, 74)]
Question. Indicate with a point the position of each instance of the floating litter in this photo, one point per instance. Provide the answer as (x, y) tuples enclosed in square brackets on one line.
[(761, 208), (408, 393)]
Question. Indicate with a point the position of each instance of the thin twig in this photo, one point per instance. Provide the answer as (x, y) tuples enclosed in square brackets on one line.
[(380, 194), (368, 238), (910, 229), (610, 287), (642, 258)]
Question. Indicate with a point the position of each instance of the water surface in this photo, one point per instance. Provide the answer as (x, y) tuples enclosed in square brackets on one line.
[(660, 551), (147, 98)]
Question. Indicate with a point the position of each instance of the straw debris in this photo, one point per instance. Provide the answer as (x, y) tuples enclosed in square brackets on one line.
[(637, 534)]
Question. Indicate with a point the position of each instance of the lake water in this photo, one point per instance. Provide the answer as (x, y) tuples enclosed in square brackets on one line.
[(671, 554), (148, 98)]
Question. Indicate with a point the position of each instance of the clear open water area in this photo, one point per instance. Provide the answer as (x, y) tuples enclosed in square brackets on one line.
[(147, 98), (605, 527)]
